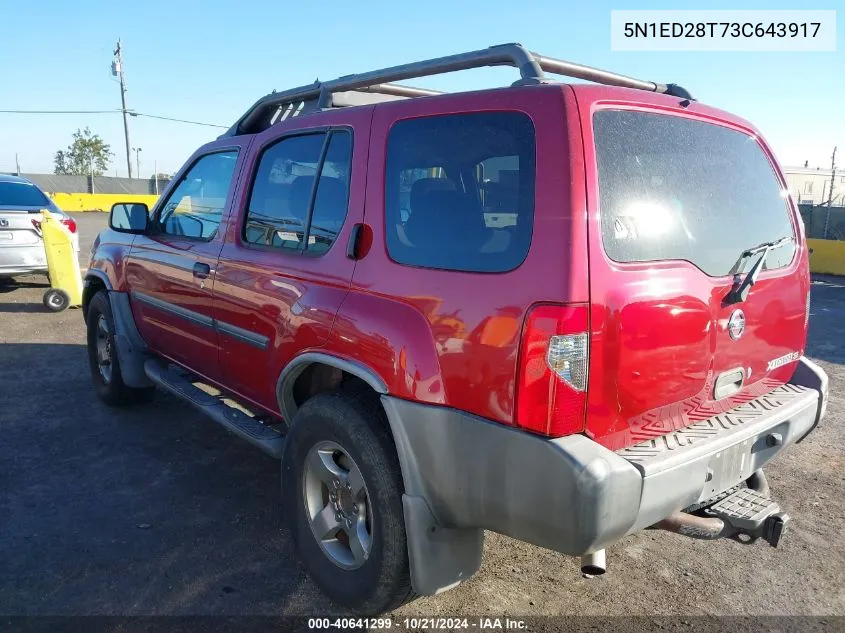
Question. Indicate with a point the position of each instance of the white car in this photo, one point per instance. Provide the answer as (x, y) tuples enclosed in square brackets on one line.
[(21, 246)]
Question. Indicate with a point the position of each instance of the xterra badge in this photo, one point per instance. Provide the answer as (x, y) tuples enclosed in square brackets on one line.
[(782, 360)]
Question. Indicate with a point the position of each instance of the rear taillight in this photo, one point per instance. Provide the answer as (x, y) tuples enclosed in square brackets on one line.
[(551, 391), (37, 225), (70, 223)]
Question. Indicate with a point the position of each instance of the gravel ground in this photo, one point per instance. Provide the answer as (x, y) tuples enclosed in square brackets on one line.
[(156, 511)]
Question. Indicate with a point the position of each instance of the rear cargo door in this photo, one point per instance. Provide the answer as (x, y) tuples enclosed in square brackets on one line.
[(675, 201)]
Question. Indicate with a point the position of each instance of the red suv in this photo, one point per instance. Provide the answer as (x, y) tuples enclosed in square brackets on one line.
[(565, 313)]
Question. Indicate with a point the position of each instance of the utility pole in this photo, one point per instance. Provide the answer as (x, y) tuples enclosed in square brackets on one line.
[(17, 165), (137, 151), (117, 70), (155, 174), (830, 191)]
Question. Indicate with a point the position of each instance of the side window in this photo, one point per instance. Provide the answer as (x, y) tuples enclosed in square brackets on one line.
[(195, 207), (279, 207), (460, 191), (332, 194)]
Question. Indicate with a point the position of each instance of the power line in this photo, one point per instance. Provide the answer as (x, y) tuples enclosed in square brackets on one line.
[(167, 118), (59, 111), (130, 112)]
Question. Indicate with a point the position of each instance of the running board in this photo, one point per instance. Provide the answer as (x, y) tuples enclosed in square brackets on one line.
[(235, 420)]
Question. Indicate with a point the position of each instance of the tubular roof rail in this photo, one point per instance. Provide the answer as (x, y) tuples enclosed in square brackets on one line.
[(531, 69)]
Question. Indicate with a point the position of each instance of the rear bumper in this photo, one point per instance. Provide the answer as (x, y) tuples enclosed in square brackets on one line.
[(13, 271), (571, 494)]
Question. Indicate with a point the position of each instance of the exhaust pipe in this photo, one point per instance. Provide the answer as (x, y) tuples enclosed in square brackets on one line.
[(594, 564), (707, 529)]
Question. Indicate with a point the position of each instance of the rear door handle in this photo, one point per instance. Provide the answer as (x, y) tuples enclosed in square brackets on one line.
[(201, 270)]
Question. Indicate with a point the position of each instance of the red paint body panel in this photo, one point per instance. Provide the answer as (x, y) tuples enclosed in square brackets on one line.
[(659, 331), (469, 322)]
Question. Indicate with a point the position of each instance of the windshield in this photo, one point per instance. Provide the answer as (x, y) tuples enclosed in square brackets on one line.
[(21, 194), (676, 188)]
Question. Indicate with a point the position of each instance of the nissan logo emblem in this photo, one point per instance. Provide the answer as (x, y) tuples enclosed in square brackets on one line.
[(736, 324)]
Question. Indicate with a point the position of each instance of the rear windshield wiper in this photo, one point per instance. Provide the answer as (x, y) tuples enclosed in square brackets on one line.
[(742, 285)]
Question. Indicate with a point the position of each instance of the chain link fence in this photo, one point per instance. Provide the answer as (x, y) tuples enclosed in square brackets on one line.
[(823, 222)]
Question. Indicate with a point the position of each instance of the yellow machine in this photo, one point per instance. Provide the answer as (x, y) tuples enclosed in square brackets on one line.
[(62, 265)]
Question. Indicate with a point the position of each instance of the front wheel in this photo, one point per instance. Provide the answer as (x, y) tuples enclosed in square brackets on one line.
[(342, 492), (102, 357)]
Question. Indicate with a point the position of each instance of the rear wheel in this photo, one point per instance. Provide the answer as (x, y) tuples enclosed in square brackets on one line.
[(342, 492), (102, 357)]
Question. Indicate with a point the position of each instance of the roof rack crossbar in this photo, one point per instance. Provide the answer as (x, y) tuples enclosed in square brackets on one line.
[(399, 90), (531, 68)]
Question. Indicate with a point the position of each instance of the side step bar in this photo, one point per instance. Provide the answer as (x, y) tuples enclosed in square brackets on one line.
[(235, 420)]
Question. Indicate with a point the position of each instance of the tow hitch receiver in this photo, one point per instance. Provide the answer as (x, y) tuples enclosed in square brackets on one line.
[(749, 512), (745, 516)]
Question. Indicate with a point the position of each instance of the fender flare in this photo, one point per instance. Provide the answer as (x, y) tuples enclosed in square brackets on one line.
[(130, 346), (440, 559), (99, 275), (294, 369)]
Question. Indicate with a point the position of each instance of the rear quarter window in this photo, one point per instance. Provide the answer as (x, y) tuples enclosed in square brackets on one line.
[(682, 189), (459, 191)]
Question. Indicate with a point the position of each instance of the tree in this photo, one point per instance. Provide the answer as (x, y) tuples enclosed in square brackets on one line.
[(88, 153)]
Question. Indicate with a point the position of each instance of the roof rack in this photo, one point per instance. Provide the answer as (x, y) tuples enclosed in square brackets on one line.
[(376, 85)]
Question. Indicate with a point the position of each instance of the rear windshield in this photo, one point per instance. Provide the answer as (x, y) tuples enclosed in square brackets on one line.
[(21, 194), (675, 188)]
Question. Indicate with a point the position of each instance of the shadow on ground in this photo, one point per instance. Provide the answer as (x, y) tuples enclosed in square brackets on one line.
[(153, 510)]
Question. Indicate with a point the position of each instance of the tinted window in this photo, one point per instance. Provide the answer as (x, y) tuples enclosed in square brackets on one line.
[(278, 209), (195, 207), (332, 191), (460, 191), (674, 188), (21, 194)]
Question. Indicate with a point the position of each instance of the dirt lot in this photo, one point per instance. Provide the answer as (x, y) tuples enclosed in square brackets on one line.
[(156, 510)]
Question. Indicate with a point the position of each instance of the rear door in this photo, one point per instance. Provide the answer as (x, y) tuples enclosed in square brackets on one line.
[(676, 200), (171, 270)]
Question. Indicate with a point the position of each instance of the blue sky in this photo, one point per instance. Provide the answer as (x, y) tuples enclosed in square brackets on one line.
[(209, 60)]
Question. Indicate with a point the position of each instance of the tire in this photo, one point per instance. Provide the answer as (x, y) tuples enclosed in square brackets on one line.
[(56, 300), (353, 422), (108, 381)]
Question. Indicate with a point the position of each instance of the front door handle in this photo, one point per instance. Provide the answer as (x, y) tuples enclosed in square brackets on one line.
[(201, 270)]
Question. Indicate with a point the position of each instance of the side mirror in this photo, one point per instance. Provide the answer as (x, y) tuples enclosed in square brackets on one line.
[(129, 217)]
